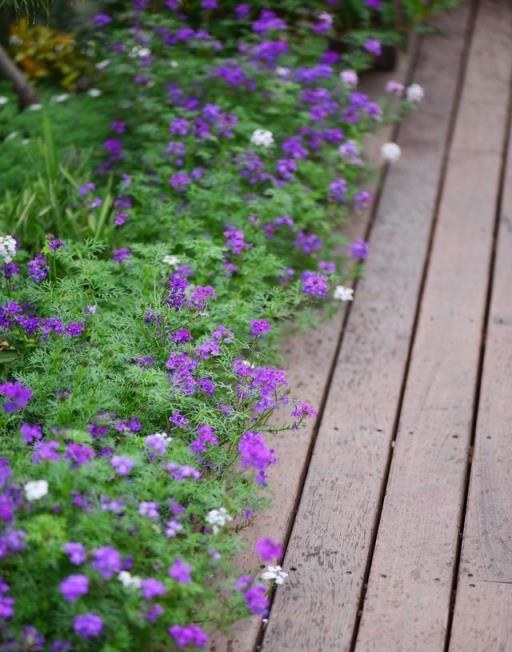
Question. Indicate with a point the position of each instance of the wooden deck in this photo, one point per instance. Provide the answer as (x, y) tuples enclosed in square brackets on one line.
[(396, 507)]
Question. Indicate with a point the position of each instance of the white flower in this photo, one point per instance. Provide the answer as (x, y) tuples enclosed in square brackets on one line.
[(390, 152), (7, 248), (94, 92), (341, 293), (61, 98), (12, 135), (128, 580), (138, 51), (103, 64), (262, 137), (282, 71), (36, 489), (173, 63), (25, 141), (3, 100), (35, 107), (415, 93), (218, 518), (349, 78), (275, 573), (171, 260)]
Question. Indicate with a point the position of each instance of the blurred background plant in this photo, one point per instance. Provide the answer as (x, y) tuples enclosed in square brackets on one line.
[(47, 54)]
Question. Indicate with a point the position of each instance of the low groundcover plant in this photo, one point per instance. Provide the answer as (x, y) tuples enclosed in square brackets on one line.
[(139, 325)]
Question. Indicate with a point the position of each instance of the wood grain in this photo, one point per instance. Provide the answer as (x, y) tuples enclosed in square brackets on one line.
[(409, 590), (309, 357), (316, 610), (483, 607)]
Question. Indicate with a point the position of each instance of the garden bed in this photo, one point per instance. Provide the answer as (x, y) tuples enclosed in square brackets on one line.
[(145, 287)]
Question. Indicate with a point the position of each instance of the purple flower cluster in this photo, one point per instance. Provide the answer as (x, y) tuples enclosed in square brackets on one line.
[(255, 453)]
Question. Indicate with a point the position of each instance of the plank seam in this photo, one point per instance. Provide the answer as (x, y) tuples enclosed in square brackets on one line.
[(444, 166), (409, 76), (481, 362)]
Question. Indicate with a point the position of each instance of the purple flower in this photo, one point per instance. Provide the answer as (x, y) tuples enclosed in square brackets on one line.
[(157, 443), (200, 296), (101, 20), (75, 551), (75, 328), (31, 432), (308, 242), (373, 4), (179, 127), (209, 4), (180, 571), (182, 471), (46, 451), (155, 611), (181, 336), (314, 284), (242, 11), (184, 635), (119, 126), (120, 255), (259, 327), (107, 561), (152, 588), (87, 625), (303, 410), (79, 454), (206, 438), (362, 200), (18, 394), (373, 46), (32, 638), (179, 420), (254, 453), (38, 268), (54, 244), (268, 550), (86, 188), (268, 21), (294, 148), (257, 600), (121, 464), (96, 202), (172, 528), (286, 168), (73, 587), (337, 189), (149, 509), (179, 181), (359, 250), (6, 602)]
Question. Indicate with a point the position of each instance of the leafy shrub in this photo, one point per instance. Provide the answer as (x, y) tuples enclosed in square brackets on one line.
[(45, 54)]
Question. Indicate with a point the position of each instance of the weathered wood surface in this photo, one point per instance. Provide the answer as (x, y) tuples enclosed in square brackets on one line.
[(332, 535), (309, 356), (410, 585), (483, 607)]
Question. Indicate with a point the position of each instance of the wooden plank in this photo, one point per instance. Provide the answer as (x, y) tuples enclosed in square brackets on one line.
[(316, 609), (309, 357), (483, 607), (409, 590)]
